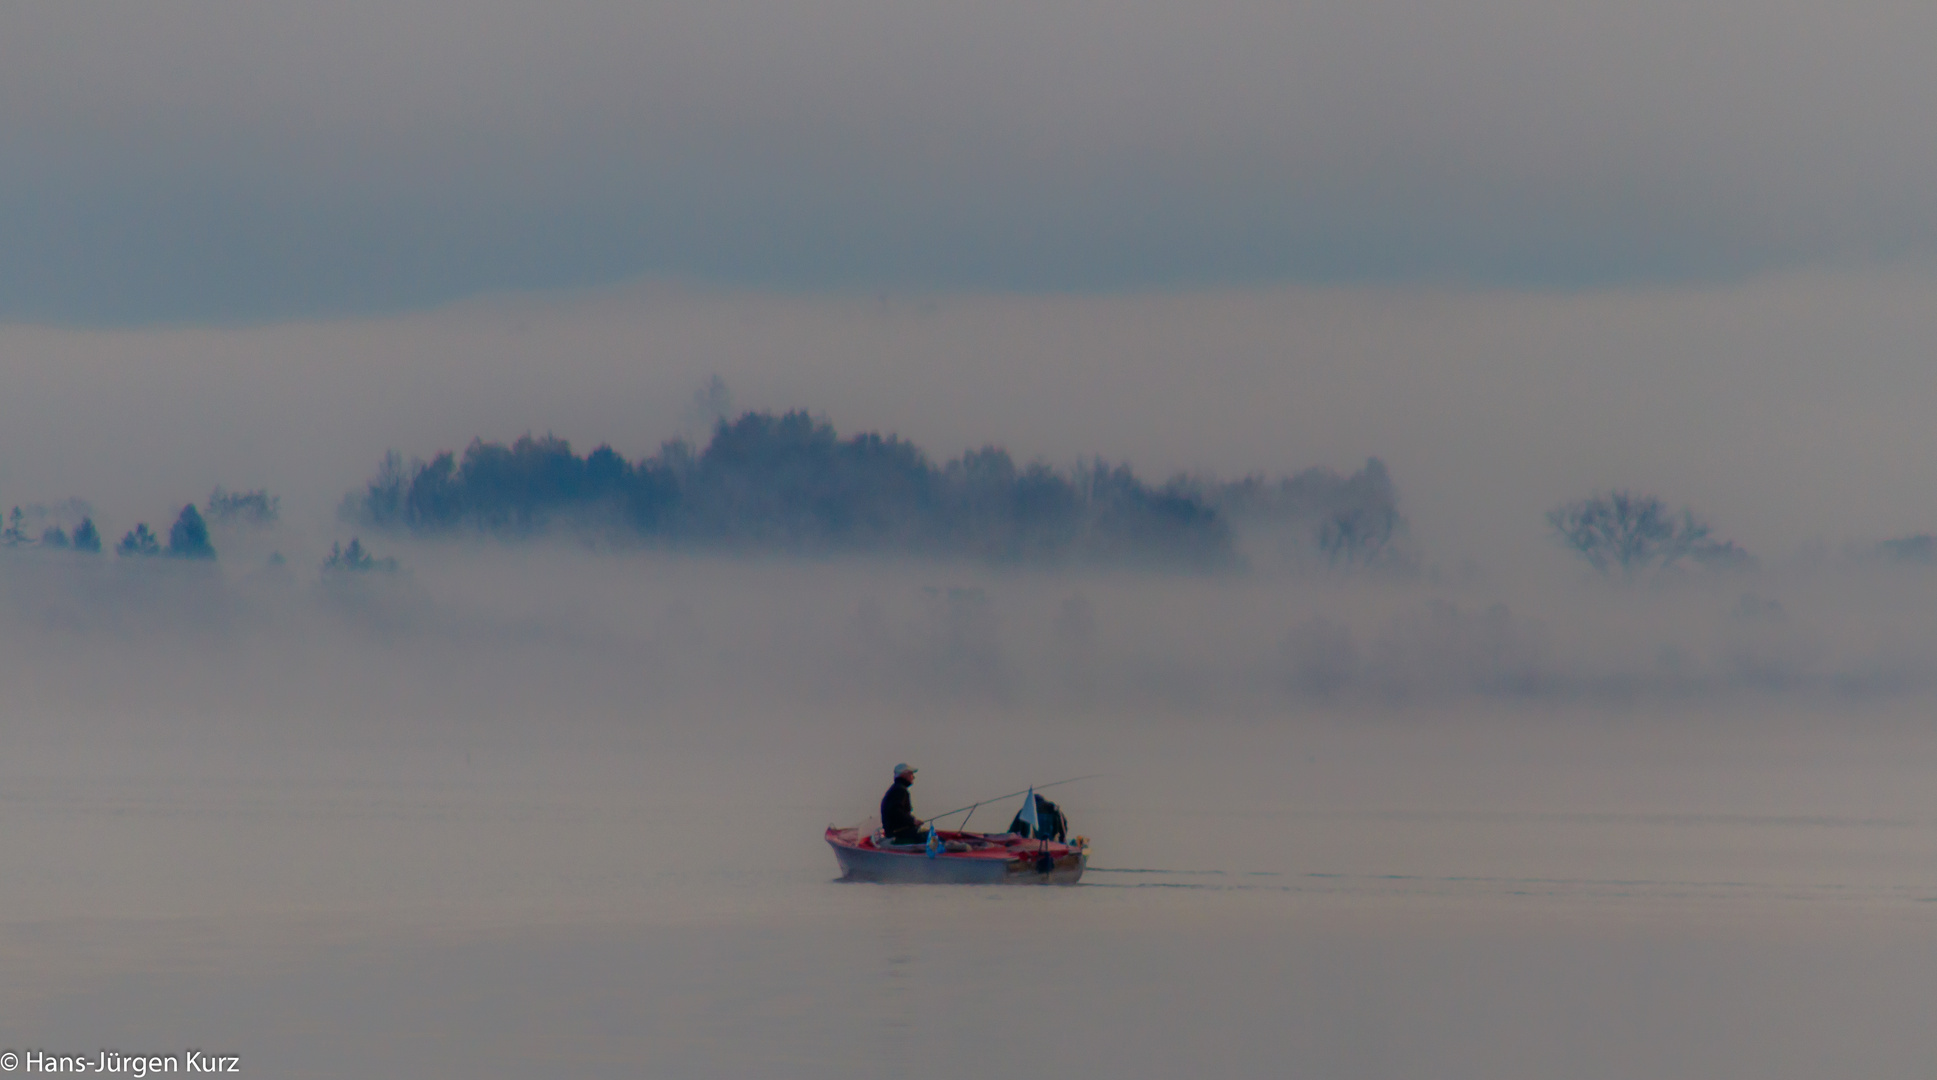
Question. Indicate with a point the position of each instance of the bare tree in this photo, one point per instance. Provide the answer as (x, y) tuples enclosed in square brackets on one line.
[(1626, 533), (254, 507)]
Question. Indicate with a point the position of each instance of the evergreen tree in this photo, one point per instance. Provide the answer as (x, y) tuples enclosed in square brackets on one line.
[(140, 540), (188, 537), (356, 558)]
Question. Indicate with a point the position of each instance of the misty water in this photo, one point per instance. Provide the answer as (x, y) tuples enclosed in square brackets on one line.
[(538, 811), (1235, 370)]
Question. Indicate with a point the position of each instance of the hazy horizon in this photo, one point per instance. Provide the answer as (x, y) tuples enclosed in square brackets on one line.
[(1384, 780), (1488, 407)]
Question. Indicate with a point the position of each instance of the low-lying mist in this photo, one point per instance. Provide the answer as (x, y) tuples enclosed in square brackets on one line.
[(781, 564), (555, 634), (556, 733)]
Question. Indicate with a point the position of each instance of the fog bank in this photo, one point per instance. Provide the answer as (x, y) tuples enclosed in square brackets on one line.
[(1789, 411), (480, 813)]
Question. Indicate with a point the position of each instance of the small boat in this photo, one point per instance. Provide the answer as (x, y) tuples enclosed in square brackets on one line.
[(959, 858)]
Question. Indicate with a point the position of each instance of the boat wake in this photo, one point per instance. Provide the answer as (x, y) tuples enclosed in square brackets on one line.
[(1418, 885)]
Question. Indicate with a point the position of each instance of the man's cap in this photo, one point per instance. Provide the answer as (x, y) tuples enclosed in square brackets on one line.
[(905, 768)]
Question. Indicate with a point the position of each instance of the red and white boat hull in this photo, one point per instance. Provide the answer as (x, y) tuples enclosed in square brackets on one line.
[(990, 859)]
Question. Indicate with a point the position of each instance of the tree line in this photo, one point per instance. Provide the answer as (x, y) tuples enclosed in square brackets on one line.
[(790, 482), (188, 538), (1627, 535)]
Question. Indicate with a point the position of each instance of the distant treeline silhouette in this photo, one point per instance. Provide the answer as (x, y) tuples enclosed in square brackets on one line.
[(791, 483), (41, 525), (1339, 521)]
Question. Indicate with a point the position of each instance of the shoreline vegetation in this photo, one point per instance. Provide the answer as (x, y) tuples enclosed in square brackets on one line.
[(789, 483)]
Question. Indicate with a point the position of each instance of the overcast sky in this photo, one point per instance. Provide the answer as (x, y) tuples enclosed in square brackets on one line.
[(220, 159)]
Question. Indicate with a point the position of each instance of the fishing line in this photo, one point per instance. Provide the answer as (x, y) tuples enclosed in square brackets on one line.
[(970, 808)]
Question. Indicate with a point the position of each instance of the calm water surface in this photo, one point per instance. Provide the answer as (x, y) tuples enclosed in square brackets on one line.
[(1348, 897)]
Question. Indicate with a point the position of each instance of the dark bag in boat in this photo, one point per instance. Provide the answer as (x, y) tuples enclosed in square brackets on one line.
[(1050, 822)]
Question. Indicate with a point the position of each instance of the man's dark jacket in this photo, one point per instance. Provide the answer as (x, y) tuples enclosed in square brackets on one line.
[(898, 809)]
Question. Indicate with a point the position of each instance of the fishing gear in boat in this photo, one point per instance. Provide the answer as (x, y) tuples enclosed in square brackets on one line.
[(1036, 850), (1041, 819), (1029, 823), (970, 808)]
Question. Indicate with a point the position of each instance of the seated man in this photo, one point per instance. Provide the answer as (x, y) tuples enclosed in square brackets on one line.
[(898, 820)]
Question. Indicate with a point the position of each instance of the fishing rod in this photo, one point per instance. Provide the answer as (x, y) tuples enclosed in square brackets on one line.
[(970, 809)]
